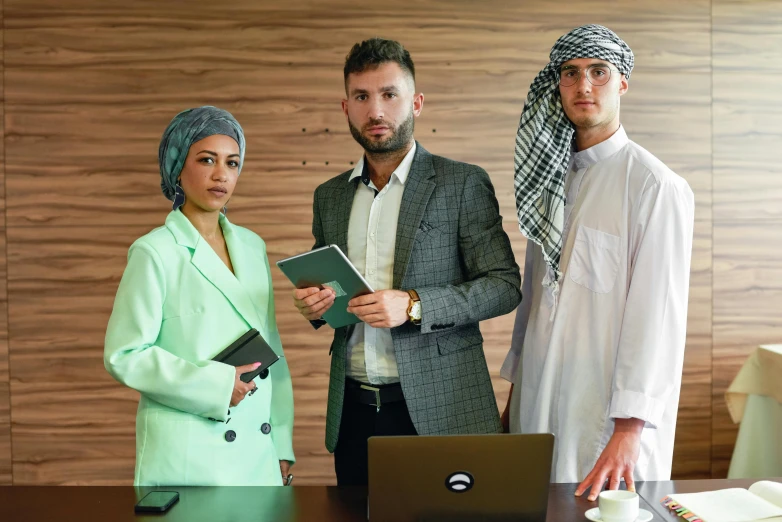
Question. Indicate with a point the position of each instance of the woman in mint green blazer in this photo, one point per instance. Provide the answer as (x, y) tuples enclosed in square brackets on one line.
[(190, 288)]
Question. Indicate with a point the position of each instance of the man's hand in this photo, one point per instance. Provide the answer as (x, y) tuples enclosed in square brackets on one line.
[(617, 460), (313, 302), (382, 309)]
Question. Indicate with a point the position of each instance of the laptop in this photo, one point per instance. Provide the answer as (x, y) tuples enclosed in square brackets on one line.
[(490, 478)]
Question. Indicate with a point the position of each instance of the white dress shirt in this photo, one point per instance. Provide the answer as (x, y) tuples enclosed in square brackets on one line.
[(371, 244), (611, 345)]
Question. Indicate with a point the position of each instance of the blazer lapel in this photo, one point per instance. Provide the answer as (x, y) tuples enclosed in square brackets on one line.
[(251, 272), (418, 190), (206, 260), (343, 204)]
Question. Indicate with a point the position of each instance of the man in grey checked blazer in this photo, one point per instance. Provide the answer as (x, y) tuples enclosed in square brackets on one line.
[(449, 247)]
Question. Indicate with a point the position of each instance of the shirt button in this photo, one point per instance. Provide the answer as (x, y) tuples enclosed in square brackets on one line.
[(230, 436), (266, 428), (372, 234)]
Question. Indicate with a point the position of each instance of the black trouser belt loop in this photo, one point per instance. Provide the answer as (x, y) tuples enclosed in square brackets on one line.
[(373, 395)]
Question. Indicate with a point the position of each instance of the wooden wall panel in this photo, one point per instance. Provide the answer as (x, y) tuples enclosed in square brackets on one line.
[(73, 425), (747, 113), (90, 86), (747, 312), (5, 396), (747, 43)]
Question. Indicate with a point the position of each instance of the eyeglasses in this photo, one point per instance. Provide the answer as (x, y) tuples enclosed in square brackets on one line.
[(597, 74)]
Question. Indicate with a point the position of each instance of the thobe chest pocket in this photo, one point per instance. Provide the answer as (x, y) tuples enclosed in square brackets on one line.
[(594, 262)]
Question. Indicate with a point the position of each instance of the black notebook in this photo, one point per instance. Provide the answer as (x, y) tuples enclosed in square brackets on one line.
[(248, 349)]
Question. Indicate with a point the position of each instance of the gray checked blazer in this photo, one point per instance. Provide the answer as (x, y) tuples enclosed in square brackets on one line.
[(451, 249)]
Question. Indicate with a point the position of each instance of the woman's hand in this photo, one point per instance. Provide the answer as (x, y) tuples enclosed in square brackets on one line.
[(241, 388), (285, 468)]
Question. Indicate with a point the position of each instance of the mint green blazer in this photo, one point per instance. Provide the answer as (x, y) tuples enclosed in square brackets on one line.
[(178, 306)]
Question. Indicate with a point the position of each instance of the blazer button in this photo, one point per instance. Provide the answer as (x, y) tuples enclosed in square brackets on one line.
[(230, 436), (266, 428), (264, 373)]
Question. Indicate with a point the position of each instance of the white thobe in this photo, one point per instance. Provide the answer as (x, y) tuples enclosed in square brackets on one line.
[(611, 344)]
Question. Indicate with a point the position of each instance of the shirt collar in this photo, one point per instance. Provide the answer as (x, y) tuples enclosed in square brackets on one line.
[(185, 233), (401, 171), (604, 149)]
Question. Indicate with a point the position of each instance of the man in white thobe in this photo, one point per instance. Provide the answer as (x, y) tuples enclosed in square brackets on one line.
[(598, 344)]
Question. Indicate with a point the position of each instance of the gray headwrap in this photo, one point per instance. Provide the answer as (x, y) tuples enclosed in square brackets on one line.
[(186, 128), (544, 139)]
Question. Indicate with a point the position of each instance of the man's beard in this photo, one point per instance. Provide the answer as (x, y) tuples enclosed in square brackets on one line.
[(398, 140)]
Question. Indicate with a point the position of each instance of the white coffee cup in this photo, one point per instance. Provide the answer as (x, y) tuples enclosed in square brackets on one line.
[(618, 506)]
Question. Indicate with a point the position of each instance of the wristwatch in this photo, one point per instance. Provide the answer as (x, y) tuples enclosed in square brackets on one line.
[(414, 308)]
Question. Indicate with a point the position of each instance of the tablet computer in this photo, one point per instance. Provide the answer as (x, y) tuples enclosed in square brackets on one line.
[(328, 267)]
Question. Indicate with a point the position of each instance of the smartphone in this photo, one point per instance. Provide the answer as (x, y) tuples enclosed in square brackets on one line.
[(157, 502)]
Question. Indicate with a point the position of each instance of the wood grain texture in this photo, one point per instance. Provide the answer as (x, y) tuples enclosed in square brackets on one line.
[(6, 476), (89, 87), (692, 448), (747, 114), (150, 34), (747, 312), (747, 38), (77, 425)]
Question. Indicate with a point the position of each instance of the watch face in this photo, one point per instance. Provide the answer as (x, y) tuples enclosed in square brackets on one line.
[(416, 311)]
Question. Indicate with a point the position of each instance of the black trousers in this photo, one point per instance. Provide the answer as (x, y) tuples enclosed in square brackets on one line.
[(359, 422)]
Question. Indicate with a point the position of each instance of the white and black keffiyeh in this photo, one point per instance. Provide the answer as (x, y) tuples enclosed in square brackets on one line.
[(544, 137)]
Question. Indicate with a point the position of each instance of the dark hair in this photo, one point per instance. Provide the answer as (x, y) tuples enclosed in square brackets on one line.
[(374, 52)]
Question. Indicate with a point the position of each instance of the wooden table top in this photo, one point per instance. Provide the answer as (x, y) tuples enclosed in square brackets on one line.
[(278, 504)]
